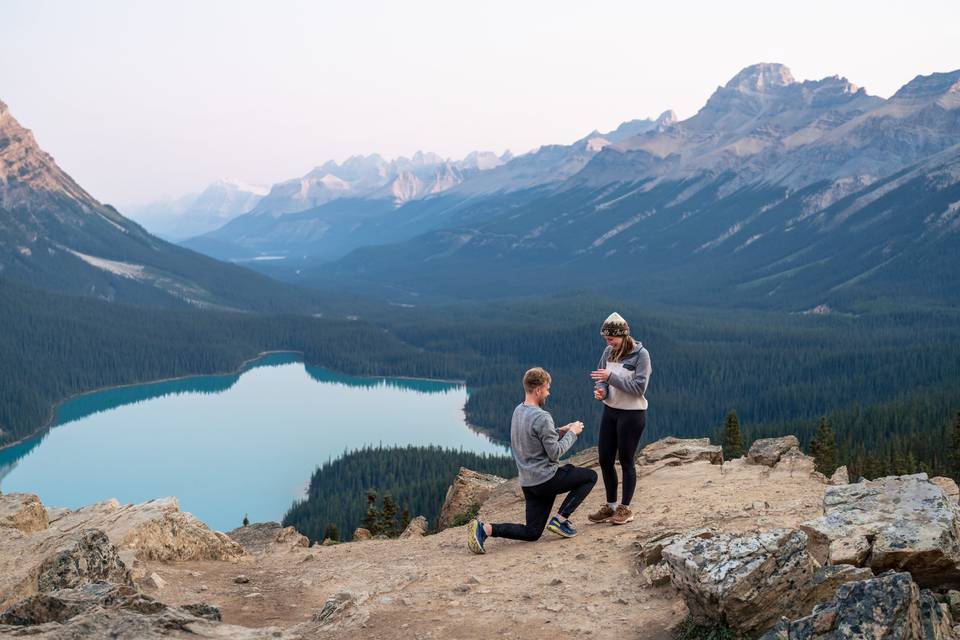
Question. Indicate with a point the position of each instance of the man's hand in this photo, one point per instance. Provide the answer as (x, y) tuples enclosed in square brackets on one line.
[(600, 375), (576, 427), (599, 394)]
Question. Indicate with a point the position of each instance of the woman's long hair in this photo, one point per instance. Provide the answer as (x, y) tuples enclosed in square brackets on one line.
[(625, 348)]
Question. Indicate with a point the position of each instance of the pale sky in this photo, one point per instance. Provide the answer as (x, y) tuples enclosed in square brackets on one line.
[(139, 100)]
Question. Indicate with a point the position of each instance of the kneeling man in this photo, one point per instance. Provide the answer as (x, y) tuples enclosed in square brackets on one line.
[(537, 446)]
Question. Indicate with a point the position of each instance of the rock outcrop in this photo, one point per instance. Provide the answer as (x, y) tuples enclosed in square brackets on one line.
[(840, 476), (360, 534), (673, 452), (905, 523), (89, 557), (23, 512), (794, 462), (87, 544), (948, 486), (751, 580), (416, 529), (469, 489), (889, 606), (154, 530), (767, 451)]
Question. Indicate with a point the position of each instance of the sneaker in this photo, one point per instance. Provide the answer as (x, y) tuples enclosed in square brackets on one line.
[(622, 515), (604, 514), (476, 536), (561, 527)]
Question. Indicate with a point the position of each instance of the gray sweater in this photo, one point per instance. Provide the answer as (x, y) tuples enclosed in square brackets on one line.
[(536, 445), (628, 380)]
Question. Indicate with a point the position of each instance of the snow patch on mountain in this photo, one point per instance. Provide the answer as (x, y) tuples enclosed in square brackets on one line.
[(123, 269)]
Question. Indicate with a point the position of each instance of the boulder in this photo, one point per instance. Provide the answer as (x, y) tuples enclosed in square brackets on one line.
[(156, 530), (767, 451), (795, 463), (673, 452), (23, 512), (362, 534), (290, 536), (886, 607), (657, 575), (154, 581), (469, 489), (948, 486), (62, 604), (840, 476), (904, 523), (112, 613), (416, 529), (257, 537), (587, 458), (342, 609), (750, 580), (89, 557)]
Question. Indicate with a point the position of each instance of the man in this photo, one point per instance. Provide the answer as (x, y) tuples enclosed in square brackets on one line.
[(537, 446)]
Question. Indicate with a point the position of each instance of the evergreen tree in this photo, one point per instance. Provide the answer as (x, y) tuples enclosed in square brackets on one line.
[(246, 520), (371, 521), (404, 518), (955, 430), (331, 533), (824, 448), (732, 440), (388, 517)]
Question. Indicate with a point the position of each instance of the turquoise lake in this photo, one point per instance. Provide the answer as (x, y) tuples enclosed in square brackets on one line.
[(229, 445)]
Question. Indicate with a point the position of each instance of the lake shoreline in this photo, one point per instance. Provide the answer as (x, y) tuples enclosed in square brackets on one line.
[(241, 368)]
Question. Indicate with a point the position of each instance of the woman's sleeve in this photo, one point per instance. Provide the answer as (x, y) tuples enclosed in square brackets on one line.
[(636, 383)]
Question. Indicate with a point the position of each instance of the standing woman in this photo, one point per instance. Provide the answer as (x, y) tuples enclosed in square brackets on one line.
[(620, 381)]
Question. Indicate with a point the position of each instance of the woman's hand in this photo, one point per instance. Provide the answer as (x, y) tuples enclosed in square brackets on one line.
[(599, 394), (600, 375)]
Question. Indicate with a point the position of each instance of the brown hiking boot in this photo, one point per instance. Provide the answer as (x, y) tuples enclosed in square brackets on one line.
[(604, 514), (623, 515)]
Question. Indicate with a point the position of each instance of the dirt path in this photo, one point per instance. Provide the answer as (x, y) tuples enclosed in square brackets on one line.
[(433, 587)]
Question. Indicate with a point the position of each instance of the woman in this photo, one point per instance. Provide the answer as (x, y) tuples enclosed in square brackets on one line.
[(620, 381)]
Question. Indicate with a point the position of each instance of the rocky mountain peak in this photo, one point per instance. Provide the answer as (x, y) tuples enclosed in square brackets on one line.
[(935, 85), (26, 170), (761, 77), (666, 118)]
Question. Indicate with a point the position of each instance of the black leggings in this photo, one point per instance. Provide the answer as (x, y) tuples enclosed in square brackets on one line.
[(540, 498), (620, 432)]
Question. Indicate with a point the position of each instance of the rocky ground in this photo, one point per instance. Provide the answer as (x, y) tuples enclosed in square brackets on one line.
[(433, 586)]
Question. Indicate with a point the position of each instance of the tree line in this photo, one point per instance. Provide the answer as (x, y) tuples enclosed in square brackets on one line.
[(412, 481)]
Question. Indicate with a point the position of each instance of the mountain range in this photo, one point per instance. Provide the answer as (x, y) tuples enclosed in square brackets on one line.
[(198, 213), (776, 193), (54, 235)]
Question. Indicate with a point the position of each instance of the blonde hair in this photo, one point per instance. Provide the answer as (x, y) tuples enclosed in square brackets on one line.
[(535, 378), (625, 348)]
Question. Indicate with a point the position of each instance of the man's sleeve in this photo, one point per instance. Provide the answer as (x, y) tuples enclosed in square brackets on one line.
[(553, 444)]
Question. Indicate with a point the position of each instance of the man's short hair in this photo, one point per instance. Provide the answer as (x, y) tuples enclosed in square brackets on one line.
[(535, 378)]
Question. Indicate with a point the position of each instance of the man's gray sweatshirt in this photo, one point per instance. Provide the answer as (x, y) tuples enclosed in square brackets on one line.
[(536, 444)]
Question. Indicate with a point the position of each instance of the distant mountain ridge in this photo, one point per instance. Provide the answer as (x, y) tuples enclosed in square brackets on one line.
[(198, 213), (776, 193), (55, 235)]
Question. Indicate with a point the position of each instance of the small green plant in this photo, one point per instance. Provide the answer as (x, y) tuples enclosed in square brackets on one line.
[(246, 520), (690, 629), (466, 516)]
